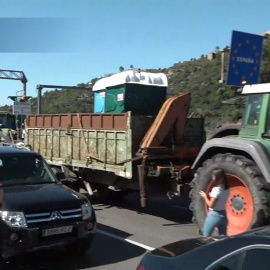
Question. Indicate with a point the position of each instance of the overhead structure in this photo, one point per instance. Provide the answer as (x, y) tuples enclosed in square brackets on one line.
[(40, 87), (14, 75)]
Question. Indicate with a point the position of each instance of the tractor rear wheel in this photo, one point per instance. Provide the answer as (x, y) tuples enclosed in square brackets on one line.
[(248, 203)]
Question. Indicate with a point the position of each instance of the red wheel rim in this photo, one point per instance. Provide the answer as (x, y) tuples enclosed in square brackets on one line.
[(239, 208)]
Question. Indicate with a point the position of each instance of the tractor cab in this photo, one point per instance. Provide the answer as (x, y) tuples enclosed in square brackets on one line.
[(245, 160), (256, 118)]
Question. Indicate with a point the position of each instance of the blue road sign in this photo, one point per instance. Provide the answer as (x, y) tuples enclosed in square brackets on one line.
[(245, 59)]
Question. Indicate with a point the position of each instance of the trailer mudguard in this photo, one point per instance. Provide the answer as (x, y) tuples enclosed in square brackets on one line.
[(253, 149)]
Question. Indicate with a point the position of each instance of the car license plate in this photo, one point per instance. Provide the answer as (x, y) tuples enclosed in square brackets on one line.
[(59, 230)]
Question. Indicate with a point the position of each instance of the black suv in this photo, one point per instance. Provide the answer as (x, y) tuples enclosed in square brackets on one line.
[(37, 210)]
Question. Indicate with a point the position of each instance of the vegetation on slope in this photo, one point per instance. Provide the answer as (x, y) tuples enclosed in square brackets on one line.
[(200, 77)]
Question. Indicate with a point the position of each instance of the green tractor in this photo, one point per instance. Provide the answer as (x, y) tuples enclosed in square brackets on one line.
[(245, 157)]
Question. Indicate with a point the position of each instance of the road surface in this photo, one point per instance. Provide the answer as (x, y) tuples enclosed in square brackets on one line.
[(124, 234)]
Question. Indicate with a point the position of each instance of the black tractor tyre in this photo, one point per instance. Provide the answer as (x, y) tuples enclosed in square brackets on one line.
[(250, 178)]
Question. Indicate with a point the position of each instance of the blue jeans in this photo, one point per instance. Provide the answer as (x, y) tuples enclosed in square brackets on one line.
[(215, 219)]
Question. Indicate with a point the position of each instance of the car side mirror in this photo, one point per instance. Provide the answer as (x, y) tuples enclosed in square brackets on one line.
[(60, 176)]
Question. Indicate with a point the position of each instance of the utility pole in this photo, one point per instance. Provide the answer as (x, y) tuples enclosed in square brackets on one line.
[(222, 67)]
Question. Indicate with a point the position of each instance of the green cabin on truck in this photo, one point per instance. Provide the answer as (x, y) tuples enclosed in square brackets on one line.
[(141, 92)]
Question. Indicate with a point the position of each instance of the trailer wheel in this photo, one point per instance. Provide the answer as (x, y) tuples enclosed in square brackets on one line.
[(105, 193), (75, 185), (248, 203)]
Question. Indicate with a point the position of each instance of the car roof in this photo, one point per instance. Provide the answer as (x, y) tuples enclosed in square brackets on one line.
[(180, 247), (14, 150), (261, 235), (196, 251), (254, 233)]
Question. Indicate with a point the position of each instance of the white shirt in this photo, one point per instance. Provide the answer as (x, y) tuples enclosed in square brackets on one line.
[(222, 197)]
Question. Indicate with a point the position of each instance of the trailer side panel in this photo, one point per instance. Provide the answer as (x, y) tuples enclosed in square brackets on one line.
[(105, 142)]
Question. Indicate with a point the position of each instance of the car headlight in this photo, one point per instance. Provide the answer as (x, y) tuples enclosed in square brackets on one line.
[(14, 219), (86, 211)]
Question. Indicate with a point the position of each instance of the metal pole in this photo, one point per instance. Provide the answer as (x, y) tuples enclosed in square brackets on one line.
[(39, 100), (24, 89), (141, 175), (222, 68)]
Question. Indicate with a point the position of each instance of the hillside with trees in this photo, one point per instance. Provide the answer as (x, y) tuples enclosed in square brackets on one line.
[(200, 77)]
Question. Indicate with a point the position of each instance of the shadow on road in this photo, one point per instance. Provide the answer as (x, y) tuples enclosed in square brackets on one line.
[(175, 210), (104, 251), (47, 260), (110, 251)]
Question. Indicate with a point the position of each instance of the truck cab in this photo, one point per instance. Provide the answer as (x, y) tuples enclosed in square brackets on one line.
[(8, 124), (7, 120)]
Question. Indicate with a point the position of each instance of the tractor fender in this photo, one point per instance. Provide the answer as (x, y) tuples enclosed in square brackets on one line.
[(226, 130), (251, 149)]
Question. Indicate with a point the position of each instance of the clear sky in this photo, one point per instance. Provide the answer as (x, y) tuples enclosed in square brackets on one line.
[(67, 42)]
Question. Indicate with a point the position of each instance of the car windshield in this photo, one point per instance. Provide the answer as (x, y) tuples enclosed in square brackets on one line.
[(24, 170)]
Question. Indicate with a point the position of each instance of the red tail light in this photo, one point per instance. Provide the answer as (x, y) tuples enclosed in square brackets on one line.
[(141, 267), (22, 99)]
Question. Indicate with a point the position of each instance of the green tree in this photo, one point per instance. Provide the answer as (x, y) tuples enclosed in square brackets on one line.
[(265, 65)]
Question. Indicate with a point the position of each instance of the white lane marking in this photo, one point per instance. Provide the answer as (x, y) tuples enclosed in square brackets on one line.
[(181, 207), (125, 240)]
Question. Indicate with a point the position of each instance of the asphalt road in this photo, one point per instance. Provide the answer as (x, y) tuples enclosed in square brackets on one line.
[(124, 234)]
